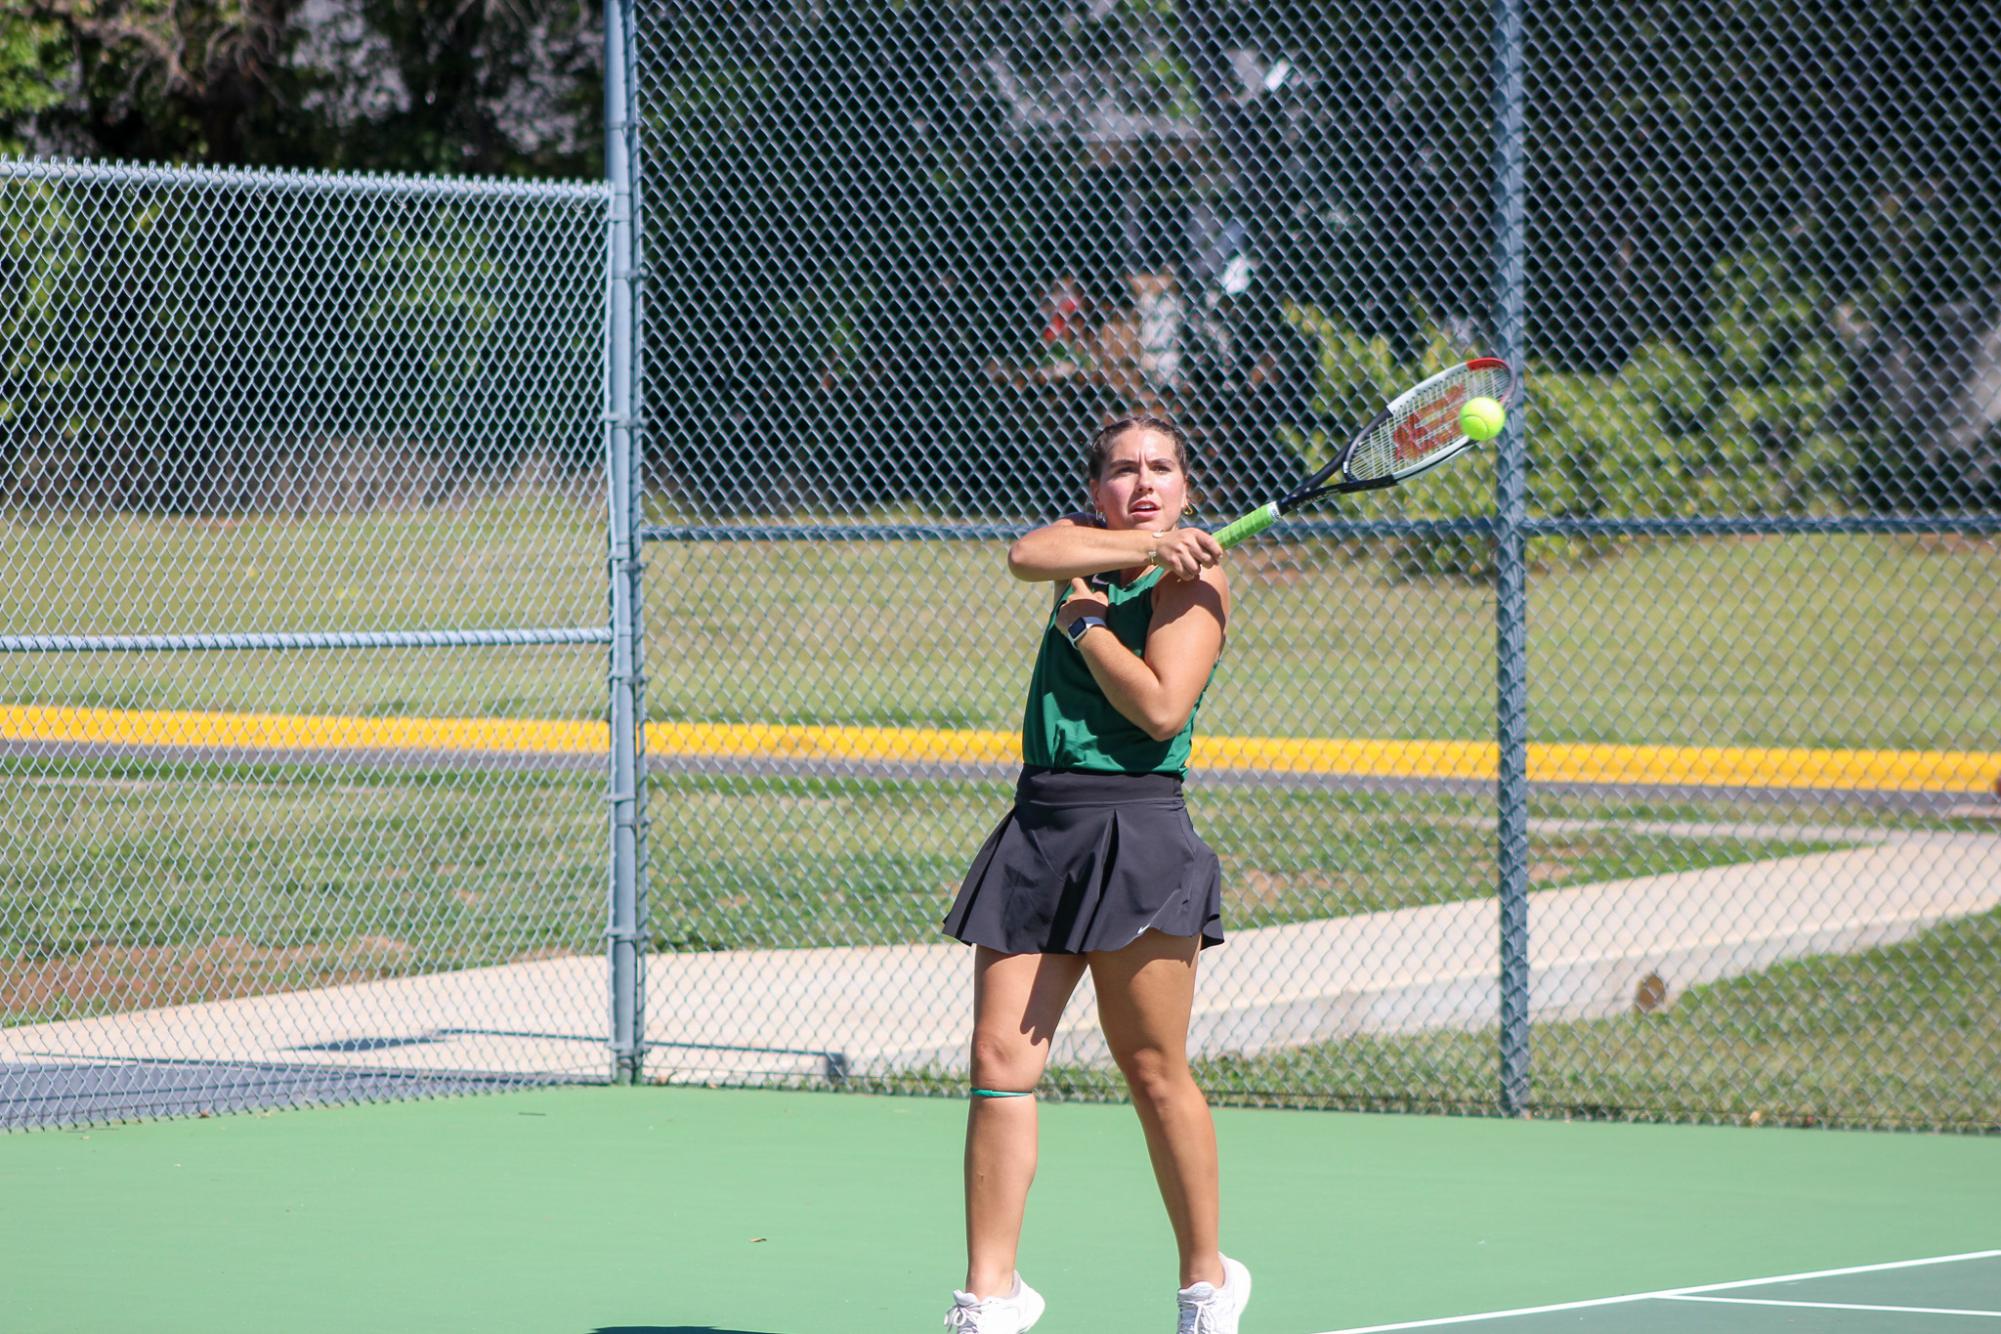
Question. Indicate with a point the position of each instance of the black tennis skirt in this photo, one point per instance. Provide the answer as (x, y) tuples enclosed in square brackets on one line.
[(1089, 861)]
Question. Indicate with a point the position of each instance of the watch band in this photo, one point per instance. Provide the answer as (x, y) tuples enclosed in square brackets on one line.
[(1080, 627)]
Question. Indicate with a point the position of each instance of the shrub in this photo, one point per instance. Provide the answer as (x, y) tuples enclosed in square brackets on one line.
[(1738, 419)]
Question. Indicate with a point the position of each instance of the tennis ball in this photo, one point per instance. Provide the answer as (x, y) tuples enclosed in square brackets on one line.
[(1482, 418)]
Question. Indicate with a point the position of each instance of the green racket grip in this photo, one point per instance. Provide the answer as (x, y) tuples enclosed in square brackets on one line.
[(1249, 526)]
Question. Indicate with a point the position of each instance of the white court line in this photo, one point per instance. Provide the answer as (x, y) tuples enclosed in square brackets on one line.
[(1666, 1293), (1834, 1306)]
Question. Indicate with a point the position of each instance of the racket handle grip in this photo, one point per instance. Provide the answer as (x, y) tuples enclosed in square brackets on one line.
[(1249, 526)]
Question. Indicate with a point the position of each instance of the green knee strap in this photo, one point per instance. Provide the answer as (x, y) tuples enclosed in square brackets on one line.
[(1003, 1093)]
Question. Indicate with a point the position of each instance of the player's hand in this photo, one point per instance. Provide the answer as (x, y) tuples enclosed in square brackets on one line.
[(1083, 601), (1186, 552)]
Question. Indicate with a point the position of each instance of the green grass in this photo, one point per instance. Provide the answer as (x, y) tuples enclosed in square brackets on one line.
[(1799, 641), (777, 862), (529, 559), (1904, 1035), (1813, 641), (132, 884)]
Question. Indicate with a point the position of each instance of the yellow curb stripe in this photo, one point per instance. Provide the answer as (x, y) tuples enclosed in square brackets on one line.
[(1720, 766), (282, 731)]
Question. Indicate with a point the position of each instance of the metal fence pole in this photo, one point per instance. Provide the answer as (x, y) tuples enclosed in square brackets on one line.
[(625, 932), (1511, 569)]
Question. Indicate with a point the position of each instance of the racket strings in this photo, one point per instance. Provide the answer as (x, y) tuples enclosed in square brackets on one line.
[(1422, 426), (1375, 454)]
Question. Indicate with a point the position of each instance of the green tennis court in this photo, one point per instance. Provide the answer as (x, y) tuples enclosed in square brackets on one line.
[(671, 1211)]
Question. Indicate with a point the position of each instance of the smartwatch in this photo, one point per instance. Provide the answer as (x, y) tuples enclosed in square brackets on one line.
[(1081, 627)]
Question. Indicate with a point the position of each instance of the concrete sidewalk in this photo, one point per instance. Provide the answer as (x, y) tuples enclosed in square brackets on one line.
[(785, 1014)]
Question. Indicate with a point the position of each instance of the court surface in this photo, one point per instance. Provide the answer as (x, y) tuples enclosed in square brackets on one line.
[(1936, 1293), (701, 1211)]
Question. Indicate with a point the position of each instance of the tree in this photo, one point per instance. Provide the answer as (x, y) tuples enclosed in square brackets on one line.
[(507, 87), (28, 49), (158, 80), (492, 87)]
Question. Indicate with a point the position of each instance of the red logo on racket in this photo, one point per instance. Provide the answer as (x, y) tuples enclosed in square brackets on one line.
[(1430, 427)]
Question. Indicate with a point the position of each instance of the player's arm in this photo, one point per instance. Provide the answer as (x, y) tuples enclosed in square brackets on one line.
[(1157, 691), (1076, 548)]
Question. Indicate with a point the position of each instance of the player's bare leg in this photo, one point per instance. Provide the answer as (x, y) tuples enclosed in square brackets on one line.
[(1017, 1001), (1146, 993)]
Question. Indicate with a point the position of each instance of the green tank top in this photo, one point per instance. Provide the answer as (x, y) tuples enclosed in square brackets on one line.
[(1069, 724)]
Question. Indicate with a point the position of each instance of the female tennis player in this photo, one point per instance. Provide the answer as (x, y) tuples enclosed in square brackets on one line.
[(1098, 867)]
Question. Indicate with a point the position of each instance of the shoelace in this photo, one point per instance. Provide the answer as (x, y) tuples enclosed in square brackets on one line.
[(968, 1317), (1195, 1318)]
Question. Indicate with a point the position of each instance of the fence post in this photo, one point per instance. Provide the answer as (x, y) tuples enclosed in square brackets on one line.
[(1511, 568), (625, 779)]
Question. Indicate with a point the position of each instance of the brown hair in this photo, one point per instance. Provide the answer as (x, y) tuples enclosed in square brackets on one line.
[(1108, 435)]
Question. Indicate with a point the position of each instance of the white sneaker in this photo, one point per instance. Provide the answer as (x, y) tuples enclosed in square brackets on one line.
[(1011, 1314), (1206, 1309)]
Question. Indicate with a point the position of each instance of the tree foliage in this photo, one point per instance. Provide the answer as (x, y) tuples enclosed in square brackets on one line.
[(846, 198), (477, 86), (28, 53)]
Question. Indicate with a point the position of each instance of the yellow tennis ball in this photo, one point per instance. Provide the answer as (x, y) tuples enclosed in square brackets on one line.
[(1482, 418)]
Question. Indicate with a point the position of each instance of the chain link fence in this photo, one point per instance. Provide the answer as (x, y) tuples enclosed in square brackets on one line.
[(1725, 640), (1639, 766), (302, 627)]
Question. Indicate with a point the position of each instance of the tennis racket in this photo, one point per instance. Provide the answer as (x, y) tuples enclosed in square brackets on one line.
[(1417, 431)]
